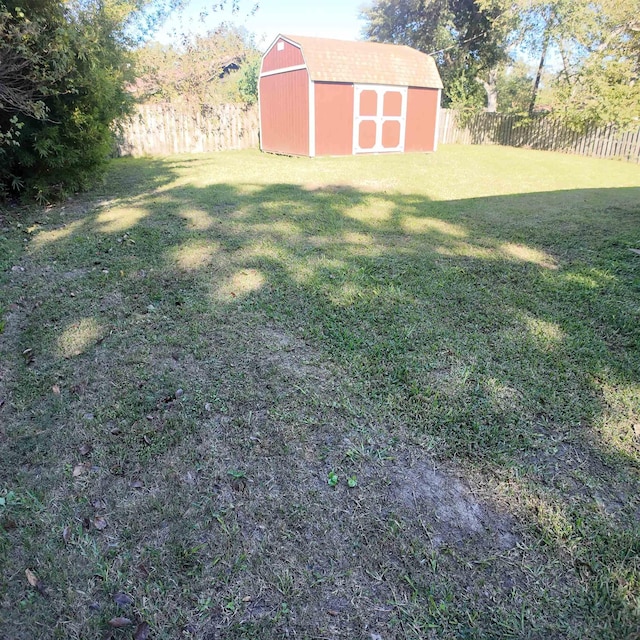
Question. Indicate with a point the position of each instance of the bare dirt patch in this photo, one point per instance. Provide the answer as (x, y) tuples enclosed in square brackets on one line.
[(454, 514)]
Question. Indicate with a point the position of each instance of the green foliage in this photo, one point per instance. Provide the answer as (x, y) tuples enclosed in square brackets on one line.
[(465, 96), (604, 91), (514, 89), (596, 46), (56, 131), (598, 83), (248, 82)]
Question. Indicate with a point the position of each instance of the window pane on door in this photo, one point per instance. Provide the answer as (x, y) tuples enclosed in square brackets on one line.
[(392, 104), (368, 103), (367, 134), (391, 134)]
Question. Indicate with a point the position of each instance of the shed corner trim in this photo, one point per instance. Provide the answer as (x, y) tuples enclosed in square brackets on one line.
[(312, 118), (437, 126)]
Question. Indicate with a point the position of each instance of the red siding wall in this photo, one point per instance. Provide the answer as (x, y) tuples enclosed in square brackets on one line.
[(422, 106), (334, 119), (284, 113), (290, 56)]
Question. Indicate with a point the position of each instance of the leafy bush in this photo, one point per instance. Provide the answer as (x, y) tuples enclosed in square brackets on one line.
[(65, 65), (248, 83)]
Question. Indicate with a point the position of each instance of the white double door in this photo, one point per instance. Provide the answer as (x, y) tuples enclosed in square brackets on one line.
[(379, 118)]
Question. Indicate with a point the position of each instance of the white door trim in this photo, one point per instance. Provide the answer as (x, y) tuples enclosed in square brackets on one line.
[(379, 118)]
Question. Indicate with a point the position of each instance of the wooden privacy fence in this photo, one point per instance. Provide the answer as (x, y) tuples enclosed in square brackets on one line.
[(161, 129), (541, 132)]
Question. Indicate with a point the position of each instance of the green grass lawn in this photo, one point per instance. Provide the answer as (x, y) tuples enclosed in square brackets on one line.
[(249, 396)]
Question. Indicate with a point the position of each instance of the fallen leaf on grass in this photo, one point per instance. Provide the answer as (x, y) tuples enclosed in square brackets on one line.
[(99, 523), (137, 484), (66, 534), (142, 631), (35, 582), (56, 389), (119, 622), (31, 577), (99, 504), (85, 449), (122, 599), (79, 469)]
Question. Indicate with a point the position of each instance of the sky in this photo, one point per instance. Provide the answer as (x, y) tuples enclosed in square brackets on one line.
[(321, 18)]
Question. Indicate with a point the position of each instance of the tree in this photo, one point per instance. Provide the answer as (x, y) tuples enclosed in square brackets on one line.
[(513, 87), (591, 48), (65, 65), (466, 39), (21, 76), (205, 69), (598, 45), (248, 81), (599, 82), (60, 94)]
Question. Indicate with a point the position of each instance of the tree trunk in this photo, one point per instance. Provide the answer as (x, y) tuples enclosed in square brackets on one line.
[(536, 84), (491, 90), (565, 63)]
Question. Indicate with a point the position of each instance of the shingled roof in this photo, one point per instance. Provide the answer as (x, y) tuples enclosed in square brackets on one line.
[(330, 60)]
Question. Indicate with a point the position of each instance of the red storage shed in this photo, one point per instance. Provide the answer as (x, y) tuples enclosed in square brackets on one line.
[(320, 96)]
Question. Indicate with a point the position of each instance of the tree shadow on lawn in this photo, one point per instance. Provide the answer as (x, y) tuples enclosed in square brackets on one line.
[(496, 335)]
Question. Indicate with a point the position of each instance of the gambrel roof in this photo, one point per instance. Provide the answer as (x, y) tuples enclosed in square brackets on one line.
[(330, 60)]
